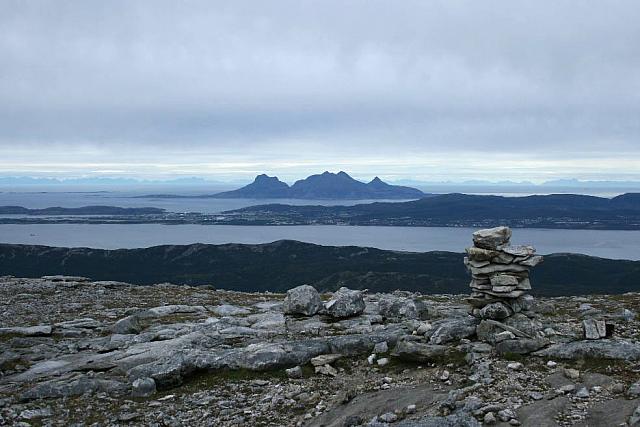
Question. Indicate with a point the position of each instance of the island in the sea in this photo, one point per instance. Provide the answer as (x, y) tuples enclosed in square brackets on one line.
[(568, 211), (558, 211), (327, 185)]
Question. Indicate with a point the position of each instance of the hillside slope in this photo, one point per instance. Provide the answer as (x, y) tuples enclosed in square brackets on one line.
[(281, 265)]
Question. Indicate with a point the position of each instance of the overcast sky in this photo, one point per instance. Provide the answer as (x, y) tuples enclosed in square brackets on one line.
[(426, 90)]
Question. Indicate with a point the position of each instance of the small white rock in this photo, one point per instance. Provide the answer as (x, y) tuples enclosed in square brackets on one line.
[(371, 359), (515, 366), (383, 361)]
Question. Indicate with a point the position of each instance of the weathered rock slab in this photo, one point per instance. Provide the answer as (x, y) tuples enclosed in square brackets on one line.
[(606, 349), (420, 352), (27, 331)]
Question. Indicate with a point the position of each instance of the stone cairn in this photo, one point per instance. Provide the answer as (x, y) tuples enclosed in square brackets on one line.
[(500, 274)]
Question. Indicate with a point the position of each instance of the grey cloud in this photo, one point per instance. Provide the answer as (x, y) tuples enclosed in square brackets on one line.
[(384, 77)]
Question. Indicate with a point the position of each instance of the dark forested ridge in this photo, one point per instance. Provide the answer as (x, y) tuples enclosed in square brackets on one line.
[(281, 265), (547, 211)]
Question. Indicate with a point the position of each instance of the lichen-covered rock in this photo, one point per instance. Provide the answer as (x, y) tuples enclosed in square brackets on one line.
[(143, 387), (127, 325), (603, 349), (74, 387), (504, 280), (303, 300), (520, 346), (529, 326), (594, 329), (394, 307), (345, 303), (419, 352), (496, 311), (295, 372), (449, 330)]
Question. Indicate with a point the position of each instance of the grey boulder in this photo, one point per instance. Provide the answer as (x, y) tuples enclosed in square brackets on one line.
[(449, 330), (127, 325), (345, 303), (419, 352), (143, 387), (393, 307), (594, 329), (496, 311), (303, 300)]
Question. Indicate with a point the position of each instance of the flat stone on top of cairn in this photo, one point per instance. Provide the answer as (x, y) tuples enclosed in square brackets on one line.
[(500, 274)]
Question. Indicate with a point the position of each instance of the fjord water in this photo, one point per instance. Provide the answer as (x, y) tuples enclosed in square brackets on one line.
[(607, 244), (613, 244), (137, 199)]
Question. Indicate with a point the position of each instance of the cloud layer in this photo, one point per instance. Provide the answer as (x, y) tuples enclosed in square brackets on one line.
[(442, 89)]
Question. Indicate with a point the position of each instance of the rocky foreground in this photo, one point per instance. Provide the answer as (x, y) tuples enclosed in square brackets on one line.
[(76, 352)]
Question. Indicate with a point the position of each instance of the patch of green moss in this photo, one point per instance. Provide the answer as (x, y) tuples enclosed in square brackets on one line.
[(211, 380), (397, 365), (603, 365), (8, 337), (513, 357)]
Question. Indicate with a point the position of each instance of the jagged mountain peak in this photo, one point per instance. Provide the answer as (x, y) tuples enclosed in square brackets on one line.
[(263, 177), (327, 185)]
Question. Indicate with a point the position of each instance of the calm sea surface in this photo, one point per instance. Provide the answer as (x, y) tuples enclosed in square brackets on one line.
[(607, 244), (127, 199)]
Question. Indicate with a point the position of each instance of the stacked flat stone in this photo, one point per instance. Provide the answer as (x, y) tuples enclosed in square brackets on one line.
[(500, 274)]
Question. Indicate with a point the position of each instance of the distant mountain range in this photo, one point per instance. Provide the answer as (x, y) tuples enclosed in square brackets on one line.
[(549, 211), (323, 186), (515, 185), (281, 265)]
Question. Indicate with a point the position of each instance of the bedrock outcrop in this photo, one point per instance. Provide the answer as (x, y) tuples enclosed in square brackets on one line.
[(74, 351)]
